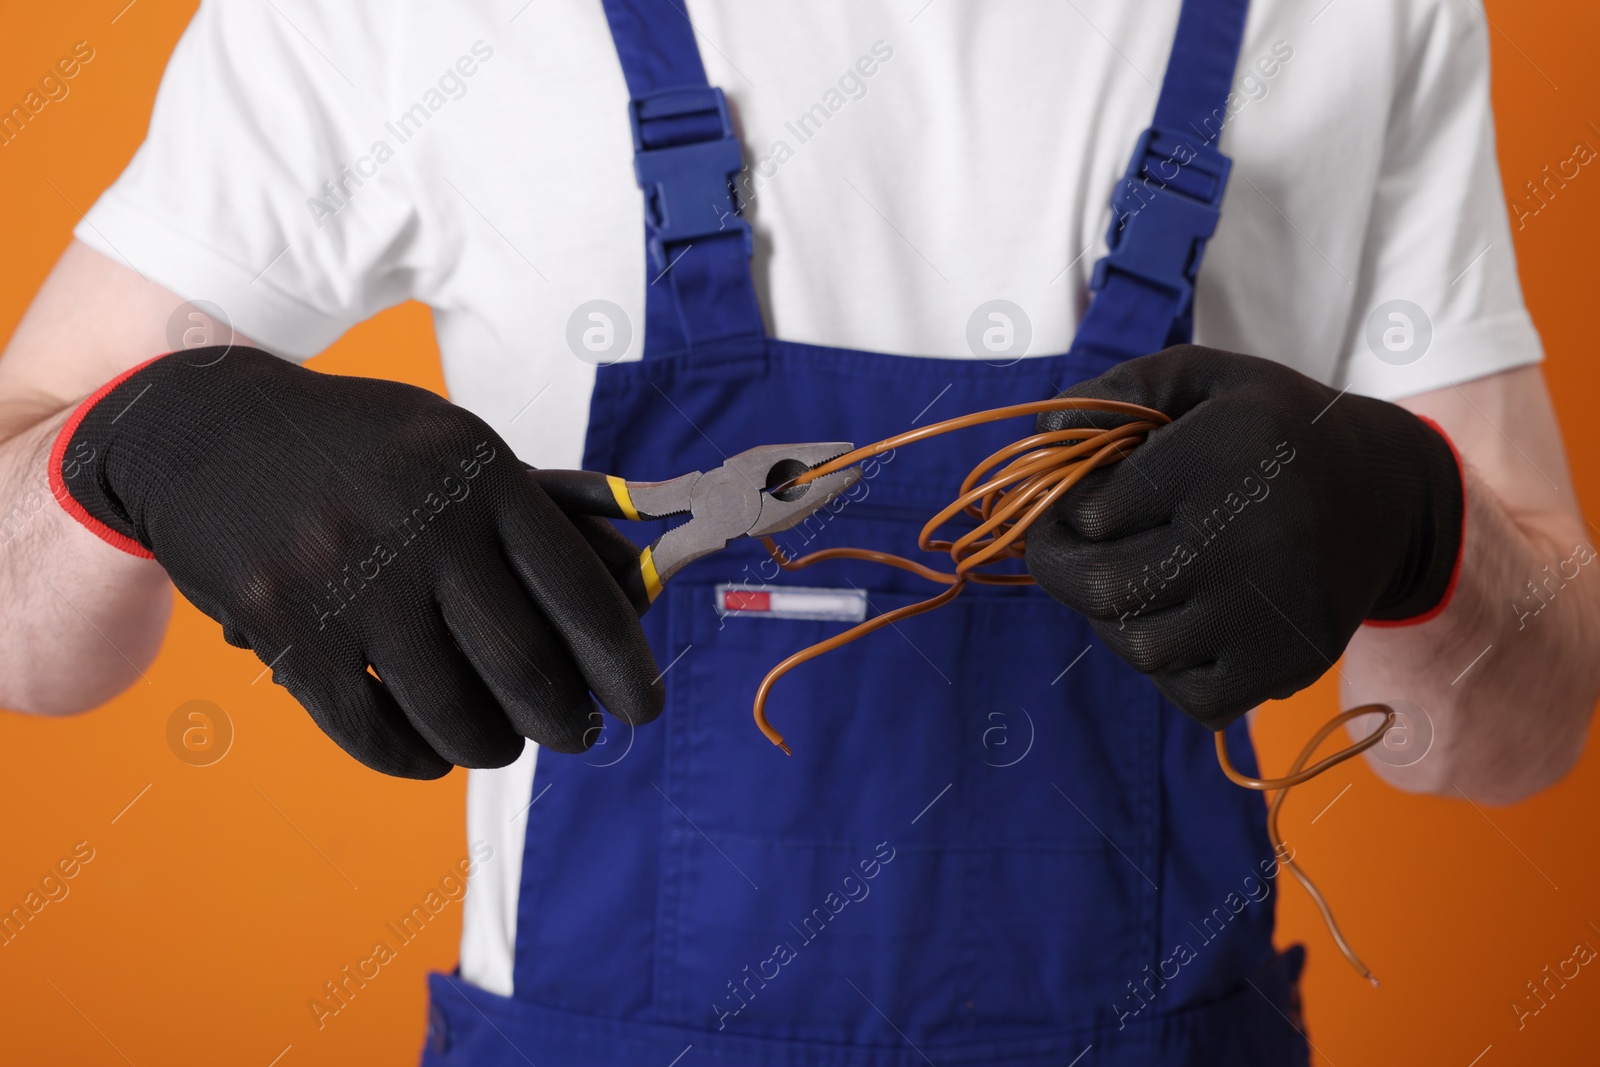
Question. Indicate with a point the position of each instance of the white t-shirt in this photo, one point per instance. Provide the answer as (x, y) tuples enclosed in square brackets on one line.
[(312, 162)]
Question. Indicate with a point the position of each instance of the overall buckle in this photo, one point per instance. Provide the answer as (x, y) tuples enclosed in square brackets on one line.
[(685, 157), (1165, 208)]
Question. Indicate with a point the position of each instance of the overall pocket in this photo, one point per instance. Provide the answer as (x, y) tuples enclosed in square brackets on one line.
[(963, 840)]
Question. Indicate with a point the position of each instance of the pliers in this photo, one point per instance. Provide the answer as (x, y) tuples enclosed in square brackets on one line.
[(748, 496)]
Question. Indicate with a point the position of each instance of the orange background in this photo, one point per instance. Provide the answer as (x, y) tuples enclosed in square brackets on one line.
[(220, 901)]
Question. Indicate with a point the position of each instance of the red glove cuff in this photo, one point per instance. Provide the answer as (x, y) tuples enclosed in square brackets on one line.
[(59, 461)]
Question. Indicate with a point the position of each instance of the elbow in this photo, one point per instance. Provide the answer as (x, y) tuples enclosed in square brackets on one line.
[(1523, 761), (57, 698), (59, 679), (1516, 781), (48, 708)]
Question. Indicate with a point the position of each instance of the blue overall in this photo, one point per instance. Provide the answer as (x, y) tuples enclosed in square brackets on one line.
[(995, 843)]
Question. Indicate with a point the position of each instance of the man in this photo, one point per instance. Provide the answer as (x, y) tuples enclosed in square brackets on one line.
[(905, 888)]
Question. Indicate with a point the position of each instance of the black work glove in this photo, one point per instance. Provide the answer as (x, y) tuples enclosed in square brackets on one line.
[(1232, 556), (330, 523)]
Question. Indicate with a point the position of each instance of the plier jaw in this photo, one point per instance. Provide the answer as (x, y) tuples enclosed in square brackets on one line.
[(749, 495), (773, 468), (738, 500)]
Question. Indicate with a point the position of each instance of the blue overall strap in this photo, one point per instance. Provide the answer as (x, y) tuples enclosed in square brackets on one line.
[(1168, 202), (686, 158)]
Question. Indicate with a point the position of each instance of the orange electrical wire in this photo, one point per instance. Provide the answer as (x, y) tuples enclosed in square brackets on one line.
[(1295, 776), (1006, 493)]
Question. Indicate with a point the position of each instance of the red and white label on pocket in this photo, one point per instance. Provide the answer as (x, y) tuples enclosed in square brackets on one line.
[(791, 602)]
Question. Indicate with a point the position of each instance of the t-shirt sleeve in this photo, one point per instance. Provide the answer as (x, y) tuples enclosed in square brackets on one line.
[(1438, 301), (256, 188)]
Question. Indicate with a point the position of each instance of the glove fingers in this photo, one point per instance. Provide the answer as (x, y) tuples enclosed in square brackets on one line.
[(1130, 496), (1222, 685), (519, 656), (1161, 643), (350, 706), (1110, 580), (615, 551), (586, 607), (440, 692), (618, 554), (1210, 693), (1201, 692), (1189, 659)]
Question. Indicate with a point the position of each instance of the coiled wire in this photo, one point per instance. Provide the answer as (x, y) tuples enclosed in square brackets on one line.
[(1006, 493)]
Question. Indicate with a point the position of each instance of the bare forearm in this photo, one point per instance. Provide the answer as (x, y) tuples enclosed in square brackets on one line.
[(83, 619), (1507, 675)]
